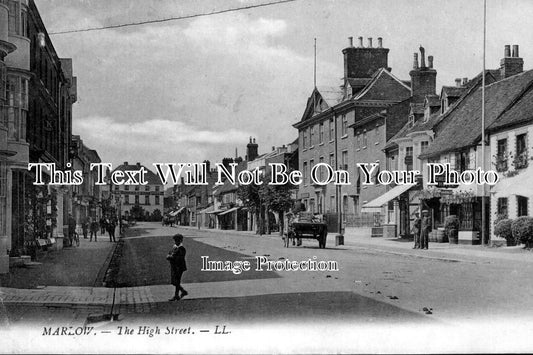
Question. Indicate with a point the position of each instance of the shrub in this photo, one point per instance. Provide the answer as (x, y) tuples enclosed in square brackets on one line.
[(451, 222), (522, 229), (503, 229)]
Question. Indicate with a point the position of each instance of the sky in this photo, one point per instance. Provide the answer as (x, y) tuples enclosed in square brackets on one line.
[(196, 89)]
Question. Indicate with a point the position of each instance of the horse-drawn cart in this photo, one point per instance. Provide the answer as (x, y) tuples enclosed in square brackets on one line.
[(302, 227)]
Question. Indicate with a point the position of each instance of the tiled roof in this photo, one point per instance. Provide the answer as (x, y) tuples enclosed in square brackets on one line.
[(521, 112), (150, 176), (433, 100), (453, 91), (461, 127), (331, 94)]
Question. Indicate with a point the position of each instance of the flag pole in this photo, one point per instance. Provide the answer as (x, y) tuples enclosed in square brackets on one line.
[(483, 231)]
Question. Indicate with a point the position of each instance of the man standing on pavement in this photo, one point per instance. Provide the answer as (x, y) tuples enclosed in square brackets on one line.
[(425, 228), (111, 229), (93, 228), (416, 230), (177, 266)]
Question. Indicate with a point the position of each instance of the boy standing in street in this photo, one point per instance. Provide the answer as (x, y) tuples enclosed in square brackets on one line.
[(176, 257)]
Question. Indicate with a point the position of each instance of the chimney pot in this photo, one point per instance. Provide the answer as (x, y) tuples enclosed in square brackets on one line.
[(465, 81), (126, 163), (415, 60), (254, 140), (422, 57), (380, 42), (430, 61), (515, 51), (458, 82), (360, 42), (273, 148), (350, 41), (507, 51), (369, 42)]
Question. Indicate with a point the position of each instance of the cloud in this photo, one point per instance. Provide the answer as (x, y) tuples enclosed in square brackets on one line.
[(154, 140)]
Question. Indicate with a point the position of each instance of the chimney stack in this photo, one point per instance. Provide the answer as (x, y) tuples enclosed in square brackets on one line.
[(511, 64), (251, 150), (423, 78), (350, 41), (126, 163), (369, 42), (380, 42), (360, 42), (465, 81)]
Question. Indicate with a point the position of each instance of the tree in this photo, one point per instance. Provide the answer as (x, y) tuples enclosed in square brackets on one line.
[(278, 199), (250, 197)]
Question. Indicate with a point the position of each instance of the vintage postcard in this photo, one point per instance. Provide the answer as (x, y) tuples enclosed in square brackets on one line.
[(266, 176)]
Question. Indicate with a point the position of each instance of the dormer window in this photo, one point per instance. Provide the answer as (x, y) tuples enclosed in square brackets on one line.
[(411, 120)]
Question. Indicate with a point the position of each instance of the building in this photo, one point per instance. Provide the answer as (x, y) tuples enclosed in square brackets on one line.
[(345, 126), (458, 142), (37, 90), (87, 197), (141, 202)]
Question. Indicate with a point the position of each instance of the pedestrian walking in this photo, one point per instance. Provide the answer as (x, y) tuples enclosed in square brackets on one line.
[(416, 230), (178, 266), (110, 224), (85, 227), (102, 226), (94, 229), (425, 228), (71, 228)]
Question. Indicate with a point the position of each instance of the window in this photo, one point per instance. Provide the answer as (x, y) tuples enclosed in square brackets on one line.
[(522, 201), (146, 199), (332, 206), (3, 81), (13, 17), (305, 173), (501, 155), (157, 189), (321, 169), (136, 187), (344, 127), (147, 188), (344, 160), (321, 133), (462, 161), (304, 139), (17, 104), (311, 164), (157, 199), (520, 160), (358, 140), (409, 158), (364, 139), (331, 129), (424, 146), (332, 160), (502, 207), (127, 187), (311, 136), (312, 205), (136, 199)]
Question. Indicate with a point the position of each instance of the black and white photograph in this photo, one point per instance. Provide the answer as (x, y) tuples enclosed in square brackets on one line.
[(266, 176)]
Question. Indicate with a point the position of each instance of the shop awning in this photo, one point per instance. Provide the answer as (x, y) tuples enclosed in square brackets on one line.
[(376, 204), (230, 210)]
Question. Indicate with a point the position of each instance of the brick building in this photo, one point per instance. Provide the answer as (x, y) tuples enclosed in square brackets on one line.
[(325, 135)]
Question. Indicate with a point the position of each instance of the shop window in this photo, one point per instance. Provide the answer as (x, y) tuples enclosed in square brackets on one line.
[(522, 205)]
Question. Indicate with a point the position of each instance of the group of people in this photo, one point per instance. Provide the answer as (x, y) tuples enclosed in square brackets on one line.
[(104, 225), (421, 229)]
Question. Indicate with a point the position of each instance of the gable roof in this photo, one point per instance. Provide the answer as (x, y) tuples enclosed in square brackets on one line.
[(380, 85), (328, 94), (461, 126)]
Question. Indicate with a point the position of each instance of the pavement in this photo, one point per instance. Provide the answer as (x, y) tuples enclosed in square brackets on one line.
[(142, 299)]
